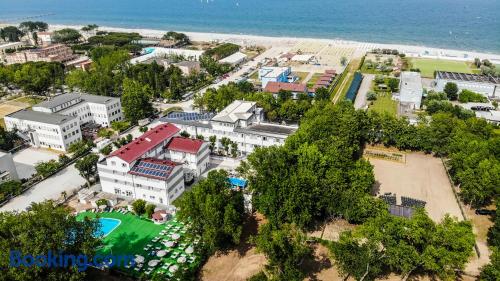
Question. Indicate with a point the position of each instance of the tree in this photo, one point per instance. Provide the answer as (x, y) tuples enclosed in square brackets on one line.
[(150, 209), (185, 134), (66, 36), (136, 100), (491, 271), (371, 96), (90, 27), (45, 169), (38, 77), (213, 140), (451, 91), (11, 34), (470, 96), (7, 139), (285, 249), (343, 61), (58, 231), (393, 84), (139, 207), (143, 129), (214, 211), (87, 167), (120, 126), (106, 150), (322, 94)]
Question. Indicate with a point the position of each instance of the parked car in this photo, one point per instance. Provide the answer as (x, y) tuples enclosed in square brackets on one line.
[(485, 212)]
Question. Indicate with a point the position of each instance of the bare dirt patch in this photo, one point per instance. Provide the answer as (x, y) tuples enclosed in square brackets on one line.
[(422, 177), (237, 264)]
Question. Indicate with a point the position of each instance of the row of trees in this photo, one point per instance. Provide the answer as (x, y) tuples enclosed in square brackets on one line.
[(276, 109)]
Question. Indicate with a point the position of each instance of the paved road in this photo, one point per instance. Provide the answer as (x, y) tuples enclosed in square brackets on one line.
[(364, 88), (66, 180)]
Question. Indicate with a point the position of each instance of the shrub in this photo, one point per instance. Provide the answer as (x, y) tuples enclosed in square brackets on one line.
[(139, 206), (106, 150), (101, 202), (150, 209)]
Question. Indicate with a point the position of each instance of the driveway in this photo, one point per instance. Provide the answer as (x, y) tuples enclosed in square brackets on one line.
[(360, 101), (26, 159), (66, 180)]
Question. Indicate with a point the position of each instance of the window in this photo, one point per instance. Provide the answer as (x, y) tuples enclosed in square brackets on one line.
[(117, 191), (129, 193), (152, 197)]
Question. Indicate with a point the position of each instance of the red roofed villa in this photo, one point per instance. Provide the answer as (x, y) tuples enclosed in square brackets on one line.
[(294, 88), (193, 153)]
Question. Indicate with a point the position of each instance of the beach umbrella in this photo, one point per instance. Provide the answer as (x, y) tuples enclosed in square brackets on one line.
[(161, 253), (173, 268), (181, 260), (176, 236), (153, 262), (139, 259), (169, 244), (189, 250), (102, 207)]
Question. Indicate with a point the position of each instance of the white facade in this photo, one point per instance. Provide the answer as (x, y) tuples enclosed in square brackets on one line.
[(116, 179), (196, 161), (274, 74), (234, 59), (46, 130), (487, 85), (159, 52), (241, 122), (142, 169), (88, 108)]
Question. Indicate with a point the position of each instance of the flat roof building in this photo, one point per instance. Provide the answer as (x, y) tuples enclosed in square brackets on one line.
[(63, 116), (234, 59), (410, 89), (486, 85), (241, 121), (274, 74)]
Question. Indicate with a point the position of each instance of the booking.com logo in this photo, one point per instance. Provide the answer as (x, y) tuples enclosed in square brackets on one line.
[(62, 260)]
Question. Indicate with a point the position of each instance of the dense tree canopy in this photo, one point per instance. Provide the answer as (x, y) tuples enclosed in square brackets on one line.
[(11, 33), (136, 100), (33, 77), (214, 211), (66, 36), (404, 246), (222, 51), (46, 227)]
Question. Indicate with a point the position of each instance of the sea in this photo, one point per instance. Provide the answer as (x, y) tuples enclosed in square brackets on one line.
[(472, 25)]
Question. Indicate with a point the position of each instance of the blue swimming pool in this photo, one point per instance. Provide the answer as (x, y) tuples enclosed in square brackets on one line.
[(106, 226), (148, 50), (237, 182)]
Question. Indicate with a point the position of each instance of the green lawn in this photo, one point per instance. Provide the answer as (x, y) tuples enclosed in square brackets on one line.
[(428, 66), (384, 103), (313, 79), (301, 75), (134, 233), (31, 100)]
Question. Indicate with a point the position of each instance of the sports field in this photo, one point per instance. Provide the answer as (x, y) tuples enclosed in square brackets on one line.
[(428, 66)]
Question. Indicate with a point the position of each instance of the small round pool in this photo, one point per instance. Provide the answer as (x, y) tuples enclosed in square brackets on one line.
[(106, 226)]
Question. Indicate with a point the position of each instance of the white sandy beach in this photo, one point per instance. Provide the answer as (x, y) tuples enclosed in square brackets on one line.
[(361, 47)]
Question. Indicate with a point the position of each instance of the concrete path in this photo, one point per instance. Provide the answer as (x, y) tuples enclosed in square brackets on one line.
[(66, 180), (364, 88)]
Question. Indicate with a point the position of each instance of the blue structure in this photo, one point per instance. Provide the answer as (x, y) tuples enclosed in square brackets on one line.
[(188, 116), (353, 89), (237, 182), (274, 74)]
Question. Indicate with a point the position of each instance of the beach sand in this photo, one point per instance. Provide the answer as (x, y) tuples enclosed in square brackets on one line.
[(361, 47)]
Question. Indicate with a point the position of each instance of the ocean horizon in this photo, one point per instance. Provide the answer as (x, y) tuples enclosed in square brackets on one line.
[(459, 24)]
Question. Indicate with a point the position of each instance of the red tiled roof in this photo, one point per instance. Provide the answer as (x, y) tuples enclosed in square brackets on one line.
[(146, 142), (331, 71), (275, 87), (184, 145), (329, 79), (323, 83), (158, 215)]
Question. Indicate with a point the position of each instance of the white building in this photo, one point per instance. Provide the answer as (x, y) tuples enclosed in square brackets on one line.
[(241, 122), (410, 89), (55, 131), (8, 170), (483, 110), (234, 59), (142, 169), (487, 85), (56, 123), (8, 46), (158, 52), (274, 74), (194, 154), (101, 110)]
